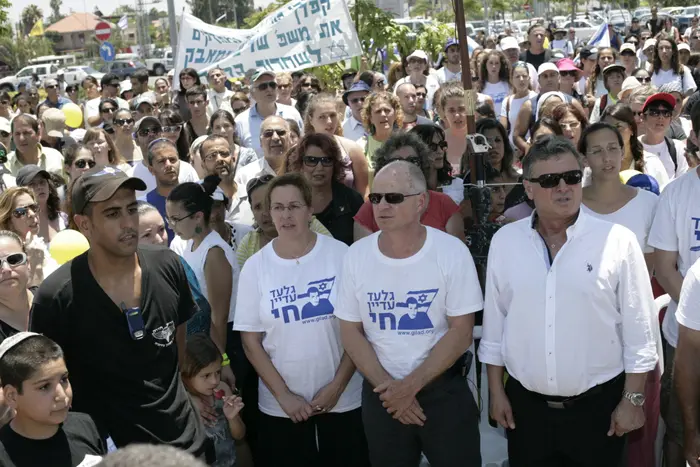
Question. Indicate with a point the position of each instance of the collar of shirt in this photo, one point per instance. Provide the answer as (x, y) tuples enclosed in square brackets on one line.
[(254, 111), (571, 231), (354, 123), (15, 163)]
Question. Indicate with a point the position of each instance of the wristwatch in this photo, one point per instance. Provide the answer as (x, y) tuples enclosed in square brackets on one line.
[(636, 398)]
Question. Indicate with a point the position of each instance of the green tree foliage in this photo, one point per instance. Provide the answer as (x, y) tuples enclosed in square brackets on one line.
[(55, 11), (17, 51), (209, 10), (5, 25), (432, 39), (256, 17), (123, 9), (30, 15)]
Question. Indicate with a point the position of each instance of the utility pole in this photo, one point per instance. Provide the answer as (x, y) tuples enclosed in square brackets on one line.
[(143, 22), (172, 20)]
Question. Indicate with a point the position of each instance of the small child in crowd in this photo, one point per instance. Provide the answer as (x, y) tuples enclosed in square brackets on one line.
[(201, 374), (43, 432)]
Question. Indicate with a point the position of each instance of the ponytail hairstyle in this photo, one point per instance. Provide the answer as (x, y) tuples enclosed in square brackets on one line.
[(196, 197)]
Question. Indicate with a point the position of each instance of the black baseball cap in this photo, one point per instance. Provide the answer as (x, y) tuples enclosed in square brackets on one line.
[(99, 184), (29, 172)]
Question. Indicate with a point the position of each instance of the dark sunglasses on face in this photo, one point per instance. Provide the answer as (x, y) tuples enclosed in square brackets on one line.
[(570, 73), (655, 113), (14, 260), (110, 110), (311, 161), (123, 121), (263, 86), (357, 100), (239, 110), (270, 133), (149, 131), (20, 212), (81, 163), (435, 146), (391, 198), (4, 134), (172, 128), (644, 80), (572, 177)]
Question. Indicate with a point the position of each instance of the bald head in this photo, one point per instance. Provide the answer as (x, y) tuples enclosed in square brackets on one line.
[(402, 174)]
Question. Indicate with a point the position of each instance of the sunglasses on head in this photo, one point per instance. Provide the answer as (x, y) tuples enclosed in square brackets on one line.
[(264, 86), (123, 121), (311, 161), (391, 198), (82, 163), (572, 177), (270, 133), (257, 182), (20, 212), (14, 260), (149, 131)]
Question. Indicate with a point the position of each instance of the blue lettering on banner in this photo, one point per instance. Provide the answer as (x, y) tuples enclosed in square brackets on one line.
[(259, 43), (293, 37), (315, 303), (204, 56), (197, 35), (409, 315), (332, 30)]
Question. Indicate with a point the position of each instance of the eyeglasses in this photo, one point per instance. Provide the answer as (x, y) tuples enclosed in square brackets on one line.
[(263, 86), (270, 133), (81, 163), (149, 131), (572, 177), (22, 211), (110, 110), (357, 100), (656, 113), (212, 156), (435, 146), (311, 161), (174, 220), (571, 74), (14, 260), (283, 87), (257, 182), (123, 121), (391, 198), (172, 128), (280, 208)]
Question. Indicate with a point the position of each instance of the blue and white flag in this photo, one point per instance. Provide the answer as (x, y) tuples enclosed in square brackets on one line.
[(123, 22), (601, 38)]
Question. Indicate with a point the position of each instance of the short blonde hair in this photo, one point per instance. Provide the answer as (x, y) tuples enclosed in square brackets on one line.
[(379, 97), (7, 204), (283, 77)]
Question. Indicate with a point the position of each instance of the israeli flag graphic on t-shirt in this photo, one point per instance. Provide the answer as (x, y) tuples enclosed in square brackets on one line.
[(408, 315), (290, 306)]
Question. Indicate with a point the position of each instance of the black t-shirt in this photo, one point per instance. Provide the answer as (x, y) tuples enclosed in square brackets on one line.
[(76, 438), (5, 329), (536, 60), (338, 215), (131, 388)]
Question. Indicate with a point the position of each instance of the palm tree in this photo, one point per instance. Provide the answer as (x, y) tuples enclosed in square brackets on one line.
[(55, 10), (30, 15)]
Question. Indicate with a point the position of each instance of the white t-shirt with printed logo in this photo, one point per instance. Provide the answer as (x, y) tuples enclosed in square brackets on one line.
[(686, 80), (498, 93), (292, 305), (444, 75), (404, 304), (688, 313), (676, 227)]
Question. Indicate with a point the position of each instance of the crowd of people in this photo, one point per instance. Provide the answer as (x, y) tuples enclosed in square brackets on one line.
[(278, 274)]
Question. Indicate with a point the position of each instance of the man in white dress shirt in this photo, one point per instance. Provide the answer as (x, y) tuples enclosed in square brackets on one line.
[(219, 96), (354, 98), (569, 312), (406, 308), (274, 141), (263, 91)]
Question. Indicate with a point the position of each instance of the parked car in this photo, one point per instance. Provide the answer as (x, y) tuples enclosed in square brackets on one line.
[(122, 68), (584, 29), (83, 71), (10, 83), (161, 62), (672, 10), (686, 17)]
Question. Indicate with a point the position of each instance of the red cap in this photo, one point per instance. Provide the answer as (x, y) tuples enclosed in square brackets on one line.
[(660, 97)]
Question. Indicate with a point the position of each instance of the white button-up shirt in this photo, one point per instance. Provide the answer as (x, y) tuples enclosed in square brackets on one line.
[(353, 129), (563, 328), (248, 124)]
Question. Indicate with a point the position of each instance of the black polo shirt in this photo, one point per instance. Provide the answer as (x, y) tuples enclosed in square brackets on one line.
[(131, 388), (337, 217)]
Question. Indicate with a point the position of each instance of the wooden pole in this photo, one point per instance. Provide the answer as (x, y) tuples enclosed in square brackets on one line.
[(460, 21)]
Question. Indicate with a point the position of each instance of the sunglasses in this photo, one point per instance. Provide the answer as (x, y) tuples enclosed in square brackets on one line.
[(51, 86), (435, 146), (216, 154), (656, 113), (149, 131), (357, 100), (110, 110), (270, 133), (257, 182), (391, 198), (311, 161), (644, 80), (572, 177), (239, 110), (123, 121), (570, 73), (4, 134), (82, 163), (14, 260), (20, 212), (172, 128), (264, 86)]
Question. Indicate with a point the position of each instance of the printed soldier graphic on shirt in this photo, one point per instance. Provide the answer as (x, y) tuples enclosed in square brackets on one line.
[(408, 317), (310, 306)]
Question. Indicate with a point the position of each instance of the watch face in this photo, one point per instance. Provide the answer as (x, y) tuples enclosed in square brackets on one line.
[(638, 399)]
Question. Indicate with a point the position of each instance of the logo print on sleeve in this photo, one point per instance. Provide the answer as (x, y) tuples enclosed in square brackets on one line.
[(315, 303), (411, 315), (696, 233)]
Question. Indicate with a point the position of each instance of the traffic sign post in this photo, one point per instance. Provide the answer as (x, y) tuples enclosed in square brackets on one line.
[(103, 31), (107, 51)]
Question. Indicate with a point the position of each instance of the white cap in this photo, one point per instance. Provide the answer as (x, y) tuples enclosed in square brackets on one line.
[(547, 66), (649, 43), (418, 54), (629, 84), (628, 46), (509, 42), (13, 340), (5, 125), (125, 86), (683, 46)]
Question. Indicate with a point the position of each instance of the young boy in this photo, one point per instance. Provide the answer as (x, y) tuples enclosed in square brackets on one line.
[(43, 432)]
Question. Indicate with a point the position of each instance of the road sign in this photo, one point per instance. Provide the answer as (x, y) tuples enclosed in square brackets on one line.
[(103, 31), (107, 51)]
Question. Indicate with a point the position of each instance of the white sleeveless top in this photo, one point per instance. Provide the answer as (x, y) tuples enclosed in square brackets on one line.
[(197, 258)]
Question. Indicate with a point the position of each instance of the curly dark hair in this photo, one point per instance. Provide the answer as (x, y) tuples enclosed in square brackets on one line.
[(315, 84), (676, 65), (324, 142), (503, 72), (426, 133), (399, 139)]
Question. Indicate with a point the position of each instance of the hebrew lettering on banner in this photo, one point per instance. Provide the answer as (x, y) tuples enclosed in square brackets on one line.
[(301, 34)]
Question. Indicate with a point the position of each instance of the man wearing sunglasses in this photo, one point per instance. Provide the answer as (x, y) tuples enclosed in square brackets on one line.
[(410, 343), (53, 97), (657, 113), (263, 90), (408, 99), (115, 331), (354, 98), (274, 141), (558, 316), (110, 90)]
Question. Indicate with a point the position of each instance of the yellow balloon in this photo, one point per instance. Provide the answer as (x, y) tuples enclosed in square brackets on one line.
[(67, 244), (627, 174), (74, 116)]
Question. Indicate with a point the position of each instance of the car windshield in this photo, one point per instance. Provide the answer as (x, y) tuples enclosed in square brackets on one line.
[(88, 69)]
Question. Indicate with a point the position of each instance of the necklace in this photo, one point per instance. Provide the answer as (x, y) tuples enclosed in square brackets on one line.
[(306, 250)]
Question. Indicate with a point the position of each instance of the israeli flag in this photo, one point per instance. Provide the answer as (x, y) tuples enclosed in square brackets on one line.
[(601, 38), (123, 22)]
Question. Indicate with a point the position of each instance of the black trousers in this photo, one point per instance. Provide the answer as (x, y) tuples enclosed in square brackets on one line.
[(574, 436), (328, 440), (449, 437)]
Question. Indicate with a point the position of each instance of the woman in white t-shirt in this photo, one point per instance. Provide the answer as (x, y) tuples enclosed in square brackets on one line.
[(668, 67), (188, 209), (494, 78), (520, 82), (309, 391)]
